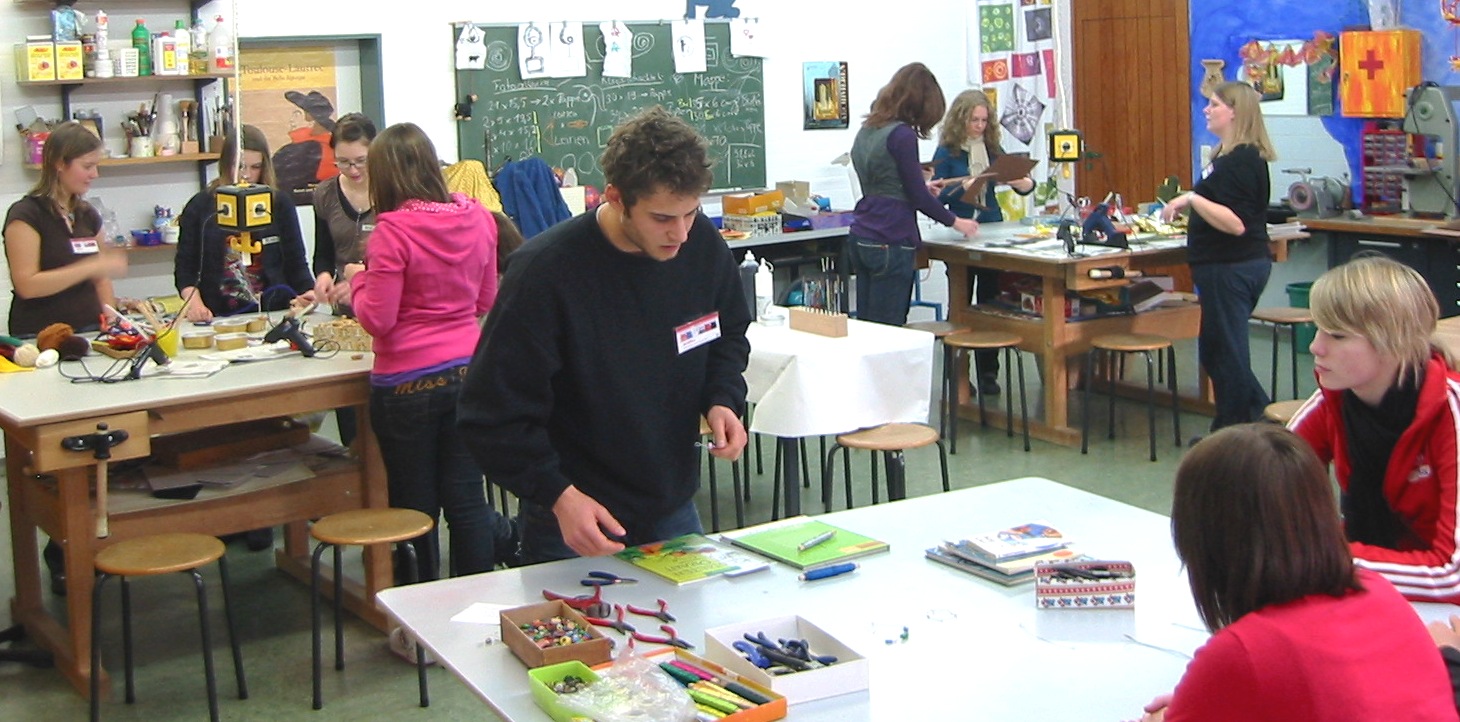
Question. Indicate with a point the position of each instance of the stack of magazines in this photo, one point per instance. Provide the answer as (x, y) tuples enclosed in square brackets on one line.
[(1007, 556)]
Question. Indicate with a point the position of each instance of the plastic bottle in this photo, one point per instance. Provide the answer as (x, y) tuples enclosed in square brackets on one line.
[(220, 39), (764, 286), (198, 58), (748, 267), (164, 55), (103, 60), (182, 39), (142, 41)]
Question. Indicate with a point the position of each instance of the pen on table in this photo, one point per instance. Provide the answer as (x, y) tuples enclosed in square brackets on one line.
[(828, 571), (817, 540)]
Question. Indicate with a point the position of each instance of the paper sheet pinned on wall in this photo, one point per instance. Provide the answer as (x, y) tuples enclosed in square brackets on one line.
[(532, 42), (747, 38), (618, 49), (565, 57), (471, 48), (689, 45)]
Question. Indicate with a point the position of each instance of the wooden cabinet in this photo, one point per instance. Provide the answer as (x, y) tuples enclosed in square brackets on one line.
[(1377, 67)]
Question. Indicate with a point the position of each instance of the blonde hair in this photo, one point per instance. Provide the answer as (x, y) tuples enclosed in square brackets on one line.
[(953, 132), (230, 159), (1247, 126), (1384, 301)]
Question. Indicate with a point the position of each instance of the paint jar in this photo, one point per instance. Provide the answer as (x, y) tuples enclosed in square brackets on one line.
[(230, 341), (224, 326)]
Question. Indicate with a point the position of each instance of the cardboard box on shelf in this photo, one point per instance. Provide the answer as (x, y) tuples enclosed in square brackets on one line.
[(747, 204), (849, 673), (35, 59), (795, 190), (69, 61)]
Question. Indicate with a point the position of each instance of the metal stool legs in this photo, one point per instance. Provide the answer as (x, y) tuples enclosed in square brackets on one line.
[(204, 625), (896, 469), (409, 552), (1110, 359)]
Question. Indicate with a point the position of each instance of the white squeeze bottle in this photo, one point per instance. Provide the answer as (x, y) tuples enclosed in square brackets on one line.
[(221, 40), (764, 286), (183, 40)]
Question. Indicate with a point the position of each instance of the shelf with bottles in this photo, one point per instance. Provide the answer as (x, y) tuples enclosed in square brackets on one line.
[(131, 80), (151, 160)]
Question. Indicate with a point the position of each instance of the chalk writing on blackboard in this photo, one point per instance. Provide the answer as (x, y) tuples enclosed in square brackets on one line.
[(566, 121)]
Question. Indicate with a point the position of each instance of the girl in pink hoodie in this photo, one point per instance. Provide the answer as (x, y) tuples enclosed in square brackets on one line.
[(430, 273)]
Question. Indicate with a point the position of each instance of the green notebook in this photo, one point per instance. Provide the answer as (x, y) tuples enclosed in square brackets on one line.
[(782, 541), (691, 558)]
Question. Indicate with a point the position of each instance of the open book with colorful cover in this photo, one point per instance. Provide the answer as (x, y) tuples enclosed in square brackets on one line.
[(787, 541), (691, 558), (1008, 572)]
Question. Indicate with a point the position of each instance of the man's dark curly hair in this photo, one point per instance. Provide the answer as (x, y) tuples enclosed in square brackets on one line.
[(655, 151)]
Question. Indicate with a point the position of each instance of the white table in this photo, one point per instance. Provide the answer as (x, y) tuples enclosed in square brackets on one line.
[(804, 385), (975, 650), (49, 487)]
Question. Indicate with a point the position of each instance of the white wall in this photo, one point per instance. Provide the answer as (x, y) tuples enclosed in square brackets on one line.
[(416, 47)]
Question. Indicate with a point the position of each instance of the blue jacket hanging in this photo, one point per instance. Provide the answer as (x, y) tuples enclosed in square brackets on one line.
[(530, 195)]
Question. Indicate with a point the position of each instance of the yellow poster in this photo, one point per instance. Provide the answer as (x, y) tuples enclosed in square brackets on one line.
[(288, 92)]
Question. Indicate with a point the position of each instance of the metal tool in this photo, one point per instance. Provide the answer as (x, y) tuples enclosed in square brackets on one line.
[(589, 604), (671, 638), (752, 654), (801, 650), (600, 579), (1429, 181), (616, 623), (663, 613)]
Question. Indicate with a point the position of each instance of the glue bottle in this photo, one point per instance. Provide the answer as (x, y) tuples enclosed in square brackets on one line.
[(221, 40), (764, 286), (748, 268)]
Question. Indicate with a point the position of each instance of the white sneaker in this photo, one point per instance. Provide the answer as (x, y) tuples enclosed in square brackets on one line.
[(404, 646)]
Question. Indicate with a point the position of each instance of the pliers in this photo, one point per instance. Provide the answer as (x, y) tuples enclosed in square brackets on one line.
[(799, 649), (663, 613), (672, 638), (752, 654), (617, 623), (590, 605), (600, 579)]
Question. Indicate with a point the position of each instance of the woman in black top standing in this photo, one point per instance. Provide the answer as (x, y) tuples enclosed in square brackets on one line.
[(1227, 248)]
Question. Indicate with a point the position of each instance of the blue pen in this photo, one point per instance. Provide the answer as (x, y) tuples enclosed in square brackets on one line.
[(831, 570)]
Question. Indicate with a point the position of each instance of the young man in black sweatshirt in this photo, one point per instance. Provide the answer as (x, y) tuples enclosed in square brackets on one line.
[(613, 333)]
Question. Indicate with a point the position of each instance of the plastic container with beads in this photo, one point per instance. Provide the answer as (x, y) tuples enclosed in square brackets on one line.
[(757, 224)]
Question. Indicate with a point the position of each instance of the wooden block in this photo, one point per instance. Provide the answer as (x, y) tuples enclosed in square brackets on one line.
[(209, 447), (817, 321)]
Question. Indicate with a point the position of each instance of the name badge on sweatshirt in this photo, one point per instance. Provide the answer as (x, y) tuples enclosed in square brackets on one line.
[(698, 332), (84, 246)]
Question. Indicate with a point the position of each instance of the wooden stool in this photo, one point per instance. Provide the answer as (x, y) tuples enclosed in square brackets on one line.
[(1278, 317), (1123, 343), (890, 439), (969, 342), (1282, 412), (714, 493), (150, 556), (361, 527), (940, 331)]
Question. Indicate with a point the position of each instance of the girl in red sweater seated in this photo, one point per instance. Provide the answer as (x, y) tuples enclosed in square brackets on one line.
[(1385, 415), (1298, 633)]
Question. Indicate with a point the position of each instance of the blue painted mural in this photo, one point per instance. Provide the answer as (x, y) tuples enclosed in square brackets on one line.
[(1219, 28)]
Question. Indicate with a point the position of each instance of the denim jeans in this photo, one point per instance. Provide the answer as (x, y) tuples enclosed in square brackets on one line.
[(884, 279), (428, 469), (542, 540), (1228, 293)]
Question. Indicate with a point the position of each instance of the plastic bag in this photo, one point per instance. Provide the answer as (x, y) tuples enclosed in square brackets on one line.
[(634, 689)]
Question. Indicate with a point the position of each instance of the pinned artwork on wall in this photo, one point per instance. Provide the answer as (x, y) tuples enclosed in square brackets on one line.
[(1295, 77), (471, 49), (713, 8), (689, 46), (825, 95)]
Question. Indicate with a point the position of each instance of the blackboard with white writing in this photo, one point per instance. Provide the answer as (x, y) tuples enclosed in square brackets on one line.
[(566, 121)]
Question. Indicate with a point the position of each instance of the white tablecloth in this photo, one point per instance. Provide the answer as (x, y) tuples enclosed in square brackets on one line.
[(803, 384)]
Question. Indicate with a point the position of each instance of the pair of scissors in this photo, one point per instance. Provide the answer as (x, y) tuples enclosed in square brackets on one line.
[(603, 579)]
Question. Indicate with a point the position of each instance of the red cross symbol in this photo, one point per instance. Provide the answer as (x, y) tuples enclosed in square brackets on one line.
[(1371, 64)]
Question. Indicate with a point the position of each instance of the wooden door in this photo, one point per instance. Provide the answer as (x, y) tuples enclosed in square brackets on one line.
[(1132, 73)]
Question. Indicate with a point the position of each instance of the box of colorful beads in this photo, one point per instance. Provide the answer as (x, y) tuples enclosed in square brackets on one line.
[(552, 632)]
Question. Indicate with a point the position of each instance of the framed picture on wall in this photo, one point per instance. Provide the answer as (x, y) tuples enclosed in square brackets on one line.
[(825, 87), (293, 89)]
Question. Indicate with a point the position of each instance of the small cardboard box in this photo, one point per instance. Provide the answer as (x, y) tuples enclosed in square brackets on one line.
[(1055, 587), (593, 651), (849, 674), (746, 204), (794, 190), (35, 60), (69, 65)]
